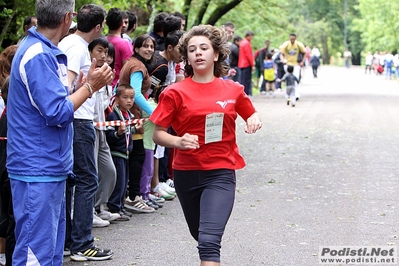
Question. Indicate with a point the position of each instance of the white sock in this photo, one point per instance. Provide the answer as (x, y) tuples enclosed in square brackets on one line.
[(2, 258)]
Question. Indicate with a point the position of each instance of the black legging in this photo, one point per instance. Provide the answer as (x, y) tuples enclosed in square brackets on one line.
[(369, 68), (136, 161), (314, 68), (207, 199)]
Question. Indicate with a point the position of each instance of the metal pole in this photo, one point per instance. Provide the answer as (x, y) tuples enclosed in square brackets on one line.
[(345, 24)]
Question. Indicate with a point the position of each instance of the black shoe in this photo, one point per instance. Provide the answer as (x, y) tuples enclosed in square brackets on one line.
[(125, 212), (151, 204), (122, 218), (288, 102), (92, 253), (297, 98)]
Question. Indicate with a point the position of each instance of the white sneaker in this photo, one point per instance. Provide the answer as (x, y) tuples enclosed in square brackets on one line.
[(98, 222), (108, 216), (170, 183), (138, 205), (2, 259), (167, 188), (160, 192), (158, 200), (67, 252)]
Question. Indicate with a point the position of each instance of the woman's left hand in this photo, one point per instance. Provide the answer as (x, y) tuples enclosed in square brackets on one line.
[(253, 124)]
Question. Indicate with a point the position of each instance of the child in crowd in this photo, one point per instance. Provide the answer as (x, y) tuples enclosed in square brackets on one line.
[(149, 146), (120, 142), (268, 74), (110, 56), (135, 73), (110, 61), (98, 49), (290, 80)]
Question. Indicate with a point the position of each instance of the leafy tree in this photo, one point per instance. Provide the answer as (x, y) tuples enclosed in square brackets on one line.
[(377, 24)]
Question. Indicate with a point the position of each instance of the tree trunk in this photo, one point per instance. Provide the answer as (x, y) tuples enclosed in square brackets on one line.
[(356, 58), (5, 29), (326, 54), (201, 12), (186, 10), (6, 21), (221, 10)]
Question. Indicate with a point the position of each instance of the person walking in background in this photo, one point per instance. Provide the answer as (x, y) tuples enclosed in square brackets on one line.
[(347, 58), (233, 58), (291, 81), (388, 64), (47, 133), (290, 54), (315, 52), (246, 62), (199, 127), (260, 55), (381, 59), (376, 62), (308, 53), (396, 65), (315, 63), (369, 62), (279, 68)]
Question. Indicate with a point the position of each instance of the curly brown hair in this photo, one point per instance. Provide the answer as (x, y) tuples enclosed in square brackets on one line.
[(218, 38), (5, 61), (4, 89)]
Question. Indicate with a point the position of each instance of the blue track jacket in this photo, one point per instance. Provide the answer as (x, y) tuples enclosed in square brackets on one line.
[(39, 113)]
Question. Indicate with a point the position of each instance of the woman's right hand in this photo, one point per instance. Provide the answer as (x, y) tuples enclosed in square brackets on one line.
[(188, 142)]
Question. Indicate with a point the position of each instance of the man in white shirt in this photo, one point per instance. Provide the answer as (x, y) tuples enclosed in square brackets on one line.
[(81, 241)]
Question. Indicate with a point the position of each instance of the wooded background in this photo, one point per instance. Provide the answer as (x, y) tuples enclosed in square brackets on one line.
[(370, 25)]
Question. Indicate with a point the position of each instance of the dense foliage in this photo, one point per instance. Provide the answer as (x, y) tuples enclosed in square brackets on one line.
[(370, 24)]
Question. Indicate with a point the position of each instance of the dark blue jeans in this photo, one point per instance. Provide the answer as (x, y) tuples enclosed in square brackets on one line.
[(246, 79), (237, 75), (86, 184), (207, 199), (117, 198)]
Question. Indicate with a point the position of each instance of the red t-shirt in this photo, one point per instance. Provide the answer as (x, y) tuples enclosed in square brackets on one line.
[(185, 104)]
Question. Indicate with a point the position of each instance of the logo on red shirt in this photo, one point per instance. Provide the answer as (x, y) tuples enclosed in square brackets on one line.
[(224, 103)]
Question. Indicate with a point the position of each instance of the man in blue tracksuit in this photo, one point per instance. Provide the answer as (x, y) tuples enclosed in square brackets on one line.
[(39, 151)]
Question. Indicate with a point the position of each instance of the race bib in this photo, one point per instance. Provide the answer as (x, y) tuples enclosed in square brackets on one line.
[(213, 127)]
